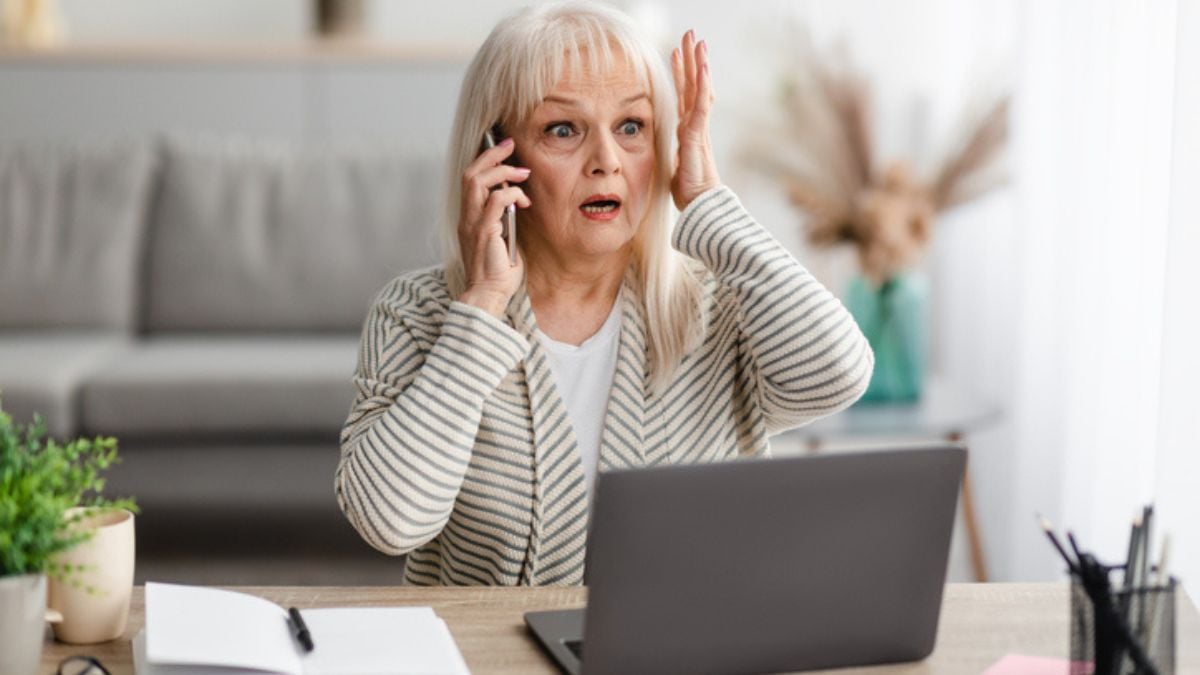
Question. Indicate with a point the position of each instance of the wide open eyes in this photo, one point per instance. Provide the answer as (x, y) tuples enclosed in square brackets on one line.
[(567, 134)]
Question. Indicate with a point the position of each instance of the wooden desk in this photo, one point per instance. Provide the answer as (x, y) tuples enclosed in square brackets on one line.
[(980, 623)]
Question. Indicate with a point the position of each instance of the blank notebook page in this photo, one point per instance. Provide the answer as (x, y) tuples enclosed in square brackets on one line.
[(380, 641), (214, 627)]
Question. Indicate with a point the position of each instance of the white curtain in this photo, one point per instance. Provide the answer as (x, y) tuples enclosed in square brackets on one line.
[(1072, 316), (1178, 484)]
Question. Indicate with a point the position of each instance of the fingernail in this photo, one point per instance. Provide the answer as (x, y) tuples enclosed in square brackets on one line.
[(704, 46), (523, 170), (507, 141)]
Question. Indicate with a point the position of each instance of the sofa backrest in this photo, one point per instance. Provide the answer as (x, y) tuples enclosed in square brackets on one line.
[(256, 236), (72, 229)]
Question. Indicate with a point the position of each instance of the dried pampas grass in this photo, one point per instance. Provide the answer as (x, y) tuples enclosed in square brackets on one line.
[(820, 148)]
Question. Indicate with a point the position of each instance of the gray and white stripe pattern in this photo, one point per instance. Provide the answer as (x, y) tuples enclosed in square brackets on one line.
[(458, 450)]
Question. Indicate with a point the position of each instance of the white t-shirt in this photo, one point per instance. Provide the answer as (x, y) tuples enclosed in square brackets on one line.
[(584, 375)]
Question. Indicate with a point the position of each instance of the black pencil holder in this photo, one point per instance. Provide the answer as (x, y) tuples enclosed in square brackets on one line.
[(1101, 630)]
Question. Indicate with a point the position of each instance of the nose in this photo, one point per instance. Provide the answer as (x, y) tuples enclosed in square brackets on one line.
[(603, 158)]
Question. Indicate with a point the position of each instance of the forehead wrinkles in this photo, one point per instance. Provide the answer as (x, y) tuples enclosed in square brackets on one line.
[(587, 90)]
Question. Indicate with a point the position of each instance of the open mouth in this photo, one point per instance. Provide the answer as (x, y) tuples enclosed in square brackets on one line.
[(600, 205)]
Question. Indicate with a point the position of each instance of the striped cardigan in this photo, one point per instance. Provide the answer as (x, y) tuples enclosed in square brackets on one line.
[(458, 450)]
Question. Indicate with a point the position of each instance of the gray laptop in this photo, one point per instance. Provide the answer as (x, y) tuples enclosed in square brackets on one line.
[(763, 565)]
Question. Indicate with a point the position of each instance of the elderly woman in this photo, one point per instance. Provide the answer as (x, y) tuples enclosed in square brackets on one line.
[(490, 394)]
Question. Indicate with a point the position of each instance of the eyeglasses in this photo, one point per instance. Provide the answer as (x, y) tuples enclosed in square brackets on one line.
[(81, 665)]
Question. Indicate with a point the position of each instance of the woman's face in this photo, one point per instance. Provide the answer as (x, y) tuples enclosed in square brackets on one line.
[(590, 139)]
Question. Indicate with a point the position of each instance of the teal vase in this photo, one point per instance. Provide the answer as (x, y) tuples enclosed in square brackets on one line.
[(894, 318)]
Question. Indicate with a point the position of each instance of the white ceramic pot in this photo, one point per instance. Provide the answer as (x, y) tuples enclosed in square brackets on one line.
[(22, 623), (94, 601)]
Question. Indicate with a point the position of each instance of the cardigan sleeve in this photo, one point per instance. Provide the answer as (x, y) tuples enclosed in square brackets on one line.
[(808, 357), (408, 439)]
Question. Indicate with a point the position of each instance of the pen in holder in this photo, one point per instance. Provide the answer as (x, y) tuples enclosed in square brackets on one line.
[(1123, 631), (1127, 627)]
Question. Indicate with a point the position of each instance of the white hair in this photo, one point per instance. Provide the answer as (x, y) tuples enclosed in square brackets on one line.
[(518, 64)]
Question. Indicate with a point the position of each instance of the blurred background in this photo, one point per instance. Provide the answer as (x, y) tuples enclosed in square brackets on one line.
[(199, 198)]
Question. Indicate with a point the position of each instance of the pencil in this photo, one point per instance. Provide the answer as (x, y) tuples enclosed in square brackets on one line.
[(1071, 565), (1163, 553), (1074, 544), (1133, 541)]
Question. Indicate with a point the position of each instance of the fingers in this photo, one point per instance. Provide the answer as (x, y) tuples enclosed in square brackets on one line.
[(693, 81), (492, 177), (489, 158), (689, 69), (498, 200), (679, 77), (486, 173), (704, 92)]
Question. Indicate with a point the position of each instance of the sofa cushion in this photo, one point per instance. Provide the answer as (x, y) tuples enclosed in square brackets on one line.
[(272, 237), (44, 371), (72, 226), (189, 386)]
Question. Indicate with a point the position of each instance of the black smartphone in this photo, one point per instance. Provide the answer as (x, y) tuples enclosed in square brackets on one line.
[(490, 138)]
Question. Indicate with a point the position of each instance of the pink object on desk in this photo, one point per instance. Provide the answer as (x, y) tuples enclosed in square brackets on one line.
[(1018, 664)]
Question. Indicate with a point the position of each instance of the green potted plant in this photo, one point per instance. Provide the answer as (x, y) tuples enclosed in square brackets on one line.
[(40, 480)]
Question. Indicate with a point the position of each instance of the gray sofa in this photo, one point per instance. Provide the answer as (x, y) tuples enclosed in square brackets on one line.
[(201, 299)]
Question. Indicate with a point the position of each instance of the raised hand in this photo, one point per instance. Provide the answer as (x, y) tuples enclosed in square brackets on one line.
[(695, 168)]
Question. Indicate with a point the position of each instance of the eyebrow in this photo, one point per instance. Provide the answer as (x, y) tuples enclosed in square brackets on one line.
[(575, 102)]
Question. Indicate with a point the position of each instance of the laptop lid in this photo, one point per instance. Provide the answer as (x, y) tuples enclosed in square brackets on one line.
[(770, 564)]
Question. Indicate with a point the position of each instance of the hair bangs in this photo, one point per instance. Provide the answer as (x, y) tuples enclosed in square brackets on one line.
[(569, 44)]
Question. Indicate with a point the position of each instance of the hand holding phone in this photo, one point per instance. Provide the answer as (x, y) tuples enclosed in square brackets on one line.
[(510, 211), (486, 229)]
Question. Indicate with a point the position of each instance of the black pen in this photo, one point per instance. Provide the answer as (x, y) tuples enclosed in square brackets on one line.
[(302, 633)]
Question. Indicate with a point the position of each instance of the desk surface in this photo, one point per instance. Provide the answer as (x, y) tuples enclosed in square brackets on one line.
[(980, 623)]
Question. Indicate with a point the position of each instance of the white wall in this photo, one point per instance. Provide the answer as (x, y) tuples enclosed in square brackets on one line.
[(158, 20)]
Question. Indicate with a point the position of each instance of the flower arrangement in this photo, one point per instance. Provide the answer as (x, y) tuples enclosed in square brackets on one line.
[(819, 146), (822, 151)]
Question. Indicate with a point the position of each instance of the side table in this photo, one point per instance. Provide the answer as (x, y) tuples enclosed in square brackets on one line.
[(944, 412)]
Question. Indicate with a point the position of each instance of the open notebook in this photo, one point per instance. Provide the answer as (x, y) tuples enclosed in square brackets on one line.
[(192, 630)]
